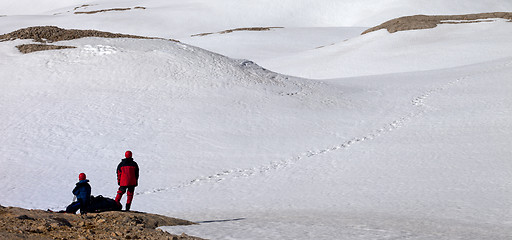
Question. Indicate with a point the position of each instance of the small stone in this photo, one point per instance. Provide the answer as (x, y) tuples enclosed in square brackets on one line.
[(24, 217), (54, 225), (41, 228), (100, 221)]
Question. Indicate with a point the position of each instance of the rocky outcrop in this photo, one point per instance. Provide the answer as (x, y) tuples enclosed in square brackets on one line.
[(51, 34), (425, 22), (19, 223)]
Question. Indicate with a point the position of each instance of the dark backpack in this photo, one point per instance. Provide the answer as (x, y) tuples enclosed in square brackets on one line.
[(102, 204)]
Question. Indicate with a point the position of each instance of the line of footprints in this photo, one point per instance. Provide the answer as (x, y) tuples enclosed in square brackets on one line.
[(418, 102)]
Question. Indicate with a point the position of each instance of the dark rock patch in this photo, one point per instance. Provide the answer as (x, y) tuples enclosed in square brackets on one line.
[(425, 22)]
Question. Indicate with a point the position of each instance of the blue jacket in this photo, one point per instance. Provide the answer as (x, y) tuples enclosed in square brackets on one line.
[(82, 191)]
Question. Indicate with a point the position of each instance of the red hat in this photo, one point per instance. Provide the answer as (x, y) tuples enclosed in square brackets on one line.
[(128, 154), (81, 176)]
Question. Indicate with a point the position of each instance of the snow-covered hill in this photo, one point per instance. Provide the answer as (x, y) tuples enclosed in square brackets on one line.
[(380, 52), (177, 19), (407, 139)]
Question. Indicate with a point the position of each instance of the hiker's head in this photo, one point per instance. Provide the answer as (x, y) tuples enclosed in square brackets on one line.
[(128, 154), (81, 176)]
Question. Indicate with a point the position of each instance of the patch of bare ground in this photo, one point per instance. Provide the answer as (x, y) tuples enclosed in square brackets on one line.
[(237, 29), (50, 34), (45, 34), (28, 48), (83, 6), (18, 223), (109, 10), (425, 22)]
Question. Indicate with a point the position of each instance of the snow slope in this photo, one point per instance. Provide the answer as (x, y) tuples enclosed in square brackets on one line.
[(177, 19), (440, 171), (382, 53), (408, 140)]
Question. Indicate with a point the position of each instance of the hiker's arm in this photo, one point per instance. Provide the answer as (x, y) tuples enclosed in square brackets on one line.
[(118, 174), (76, 191), (137, 171)]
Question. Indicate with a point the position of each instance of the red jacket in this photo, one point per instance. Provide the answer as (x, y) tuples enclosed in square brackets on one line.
[(127, 173)]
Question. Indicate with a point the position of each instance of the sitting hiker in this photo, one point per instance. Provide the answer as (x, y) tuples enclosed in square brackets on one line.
[(82, 191)]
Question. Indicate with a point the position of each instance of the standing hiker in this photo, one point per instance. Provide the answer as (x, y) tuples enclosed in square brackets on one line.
[(82, 191), (127, 178)]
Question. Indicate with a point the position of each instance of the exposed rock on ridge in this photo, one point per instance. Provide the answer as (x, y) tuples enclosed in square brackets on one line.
[(425, 22)]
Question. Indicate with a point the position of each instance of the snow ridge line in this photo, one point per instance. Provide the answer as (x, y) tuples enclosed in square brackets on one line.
[(418, 102)]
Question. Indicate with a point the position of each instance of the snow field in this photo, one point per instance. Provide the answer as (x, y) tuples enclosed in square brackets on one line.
[(178, 19), (404, 138)]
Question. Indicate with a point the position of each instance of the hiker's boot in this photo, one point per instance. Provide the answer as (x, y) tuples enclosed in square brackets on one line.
[(128, 206)]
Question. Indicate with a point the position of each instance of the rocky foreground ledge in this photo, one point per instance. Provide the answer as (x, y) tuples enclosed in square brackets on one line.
[(19, 223)]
